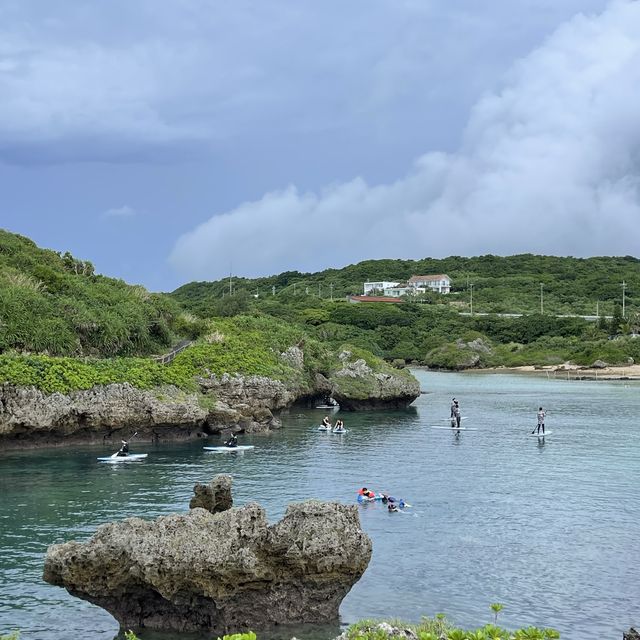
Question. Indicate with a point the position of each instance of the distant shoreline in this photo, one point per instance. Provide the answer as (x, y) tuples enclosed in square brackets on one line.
[(557, 372)]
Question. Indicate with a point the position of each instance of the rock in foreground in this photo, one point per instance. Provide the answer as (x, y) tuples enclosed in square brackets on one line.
[(219, 572)]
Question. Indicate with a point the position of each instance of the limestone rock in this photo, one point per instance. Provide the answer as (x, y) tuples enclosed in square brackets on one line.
[(632, 634), (218, 572), (26, 412), (599, 364), (357, 386), (215, 496)]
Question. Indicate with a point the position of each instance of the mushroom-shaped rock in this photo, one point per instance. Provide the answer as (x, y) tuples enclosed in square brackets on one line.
[(215, 496), (219, 572)]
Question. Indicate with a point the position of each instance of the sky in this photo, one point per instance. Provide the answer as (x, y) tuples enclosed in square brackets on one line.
[(186, 139)]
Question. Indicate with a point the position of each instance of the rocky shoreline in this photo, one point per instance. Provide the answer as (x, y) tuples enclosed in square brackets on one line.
[(228, 403)]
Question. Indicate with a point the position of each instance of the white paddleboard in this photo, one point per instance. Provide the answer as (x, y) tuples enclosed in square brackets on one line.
[(541, 435), (240, 447), (454, 428), (339, 432), (449, 419), (131, 457), (324, 428)]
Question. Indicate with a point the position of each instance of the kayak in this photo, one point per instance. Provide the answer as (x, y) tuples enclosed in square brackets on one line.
[(130, 457), (240, 447)]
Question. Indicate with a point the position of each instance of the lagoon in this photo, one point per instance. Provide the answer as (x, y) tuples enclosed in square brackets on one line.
[(547, 527)]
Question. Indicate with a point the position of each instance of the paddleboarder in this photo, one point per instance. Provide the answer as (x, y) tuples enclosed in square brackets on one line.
[(541, 416), (455, 414)]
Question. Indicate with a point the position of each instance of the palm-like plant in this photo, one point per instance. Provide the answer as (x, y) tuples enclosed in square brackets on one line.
[(496, 607)]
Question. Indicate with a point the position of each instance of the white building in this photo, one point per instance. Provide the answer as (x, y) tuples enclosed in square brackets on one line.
[(378, 287), (399, 290), (441, 283)]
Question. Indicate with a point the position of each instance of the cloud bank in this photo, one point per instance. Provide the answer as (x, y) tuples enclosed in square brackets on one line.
[(550, 163), (140, 79)]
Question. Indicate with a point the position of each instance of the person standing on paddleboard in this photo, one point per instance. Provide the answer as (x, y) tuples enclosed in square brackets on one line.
[(541, 416), (455, 413)]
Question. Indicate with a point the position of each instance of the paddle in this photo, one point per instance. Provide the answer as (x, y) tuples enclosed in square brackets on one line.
[(538, 426)]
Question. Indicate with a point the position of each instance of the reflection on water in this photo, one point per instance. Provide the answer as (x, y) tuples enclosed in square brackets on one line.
[(546, 526)]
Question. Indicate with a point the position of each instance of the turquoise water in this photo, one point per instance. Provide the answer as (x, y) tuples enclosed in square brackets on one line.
[(547, 527)]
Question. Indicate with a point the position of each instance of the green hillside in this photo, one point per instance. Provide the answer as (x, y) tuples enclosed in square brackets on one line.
[(500, 284), (56, 304), (438, 330)]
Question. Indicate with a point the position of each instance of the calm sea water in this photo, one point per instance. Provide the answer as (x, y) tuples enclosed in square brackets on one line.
[(547, 527)]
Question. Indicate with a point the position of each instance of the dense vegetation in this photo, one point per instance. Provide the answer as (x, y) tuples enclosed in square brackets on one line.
[(438, 330), (63, 327), (56, 304), (244, 345), (510, 284)]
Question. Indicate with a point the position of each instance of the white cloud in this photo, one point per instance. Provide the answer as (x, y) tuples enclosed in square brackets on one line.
[(550, 164), (125, 211)]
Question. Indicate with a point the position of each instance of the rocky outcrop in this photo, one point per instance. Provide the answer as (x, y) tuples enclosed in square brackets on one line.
[(218, 572), (632, 634), (215, 496), (236, 403), (356, 386), (28, 414)]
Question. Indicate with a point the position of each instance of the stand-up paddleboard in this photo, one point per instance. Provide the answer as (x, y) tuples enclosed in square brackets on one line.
[(339, 431), (328, 406), (454, 428), (321, 428), (449, 419), (130, 457), (540, 435), (223, 449), (374, 499)]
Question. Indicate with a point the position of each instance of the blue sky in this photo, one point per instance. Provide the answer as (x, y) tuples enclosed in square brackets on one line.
[(171, 141)]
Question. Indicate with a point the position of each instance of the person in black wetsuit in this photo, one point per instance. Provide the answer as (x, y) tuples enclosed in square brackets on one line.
[(124, 449), (232, 441)]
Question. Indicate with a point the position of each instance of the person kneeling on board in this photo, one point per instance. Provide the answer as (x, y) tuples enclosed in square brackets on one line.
[(339, 426), (365, 493), (326, 422), (232, 441), (124, 450)]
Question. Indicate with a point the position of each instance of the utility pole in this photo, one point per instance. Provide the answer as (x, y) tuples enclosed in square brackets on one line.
[(471, 289), (598, 309), (273, 290), (306, 290), (331, 287), (294, 288), (541, 298), (319, 290), (624, 288)]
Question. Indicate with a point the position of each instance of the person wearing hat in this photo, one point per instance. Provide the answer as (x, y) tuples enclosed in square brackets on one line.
[(124, 449)]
